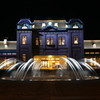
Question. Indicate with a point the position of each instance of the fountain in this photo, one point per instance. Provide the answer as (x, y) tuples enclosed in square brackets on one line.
[(31, 70)]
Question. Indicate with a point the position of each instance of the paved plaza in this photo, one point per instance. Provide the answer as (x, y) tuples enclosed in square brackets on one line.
[(50, 90)]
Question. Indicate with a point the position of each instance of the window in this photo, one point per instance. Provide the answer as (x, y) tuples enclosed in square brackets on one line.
[(5, 41), (13, 53), (8, 53), (91, 52), (49, 23), (75, 39), (4, 53), (5, 46), (24, 38), (66, 26), (24, 27), (38, 41), (43, 24), (91, 62), (44, 63), (49, 40), (61, 41), (56, 24), (33, 26), (86, 52), (94, 45), (75, 26), (24, 57), (96, 52)]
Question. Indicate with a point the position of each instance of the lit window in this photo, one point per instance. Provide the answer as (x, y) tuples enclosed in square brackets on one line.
[(86, 52), (61, 41), (96, 52), (33, 26), (38, 41), (4, 53), (50, 23), (91, 52), (75, 26), (13, 53), (44, 63), (47, 59), (56, 24), (66, 26), (91, 61), (94, 59), (8, 53), (94, 45), (51, 58), (42, 58), (24, 57), (75, 39), (6, 46), (24, 39), (50, 41), (24, 27), (5, 41), (43, 24), (56, 58)]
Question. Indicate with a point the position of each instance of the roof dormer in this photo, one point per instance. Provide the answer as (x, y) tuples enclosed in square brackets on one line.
[(24, 24), (75, 23)]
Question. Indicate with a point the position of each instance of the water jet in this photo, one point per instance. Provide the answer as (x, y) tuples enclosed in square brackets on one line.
[(33, 71)]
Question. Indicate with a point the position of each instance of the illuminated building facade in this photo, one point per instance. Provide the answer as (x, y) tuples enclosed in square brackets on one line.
[(47, 40)]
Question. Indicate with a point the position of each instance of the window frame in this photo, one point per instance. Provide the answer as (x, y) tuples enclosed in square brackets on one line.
[(61, 40), (76, 38), (38, 41), (50, 40), (22, 41)]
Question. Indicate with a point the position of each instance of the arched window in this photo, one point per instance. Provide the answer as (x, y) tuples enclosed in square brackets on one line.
[(61, 40), (75, 26), (24, 39), (75, 39), (24, 26)]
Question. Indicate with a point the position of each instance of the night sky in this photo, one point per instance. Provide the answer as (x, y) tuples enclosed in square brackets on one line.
[(12, 11)]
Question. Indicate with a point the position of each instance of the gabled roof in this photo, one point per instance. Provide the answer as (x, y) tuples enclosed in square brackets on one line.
[(75, 20), (25, 20), (49, 27)]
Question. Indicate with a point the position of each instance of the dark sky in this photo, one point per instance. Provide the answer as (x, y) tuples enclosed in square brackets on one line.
[(88, 12)]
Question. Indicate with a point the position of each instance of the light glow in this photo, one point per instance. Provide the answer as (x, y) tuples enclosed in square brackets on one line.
[(24, 27), (75, 26), (94, 45), (56, 24), (5, 41), (6, 46), (49, 23), (43, 24)]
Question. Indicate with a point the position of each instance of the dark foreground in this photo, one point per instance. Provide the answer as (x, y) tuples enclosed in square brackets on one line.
[(50, 90)]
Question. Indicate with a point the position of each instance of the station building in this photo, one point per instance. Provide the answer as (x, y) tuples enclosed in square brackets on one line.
[(48, 40)]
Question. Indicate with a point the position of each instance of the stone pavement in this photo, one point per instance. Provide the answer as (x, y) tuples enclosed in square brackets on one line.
[(50, 90)]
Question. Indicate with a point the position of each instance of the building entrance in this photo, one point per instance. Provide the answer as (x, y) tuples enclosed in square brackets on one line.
[(49, 61)]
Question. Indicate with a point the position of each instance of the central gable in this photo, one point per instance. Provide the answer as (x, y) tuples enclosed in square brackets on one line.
[(50, 28)]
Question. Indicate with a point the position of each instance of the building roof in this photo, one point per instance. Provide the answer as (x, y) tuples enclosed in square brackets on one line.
[(25, 20), (75, 20)]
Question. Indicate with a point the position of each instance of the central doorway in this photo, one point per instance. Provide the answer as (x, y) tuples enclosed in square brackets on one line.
[(49, 61)]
